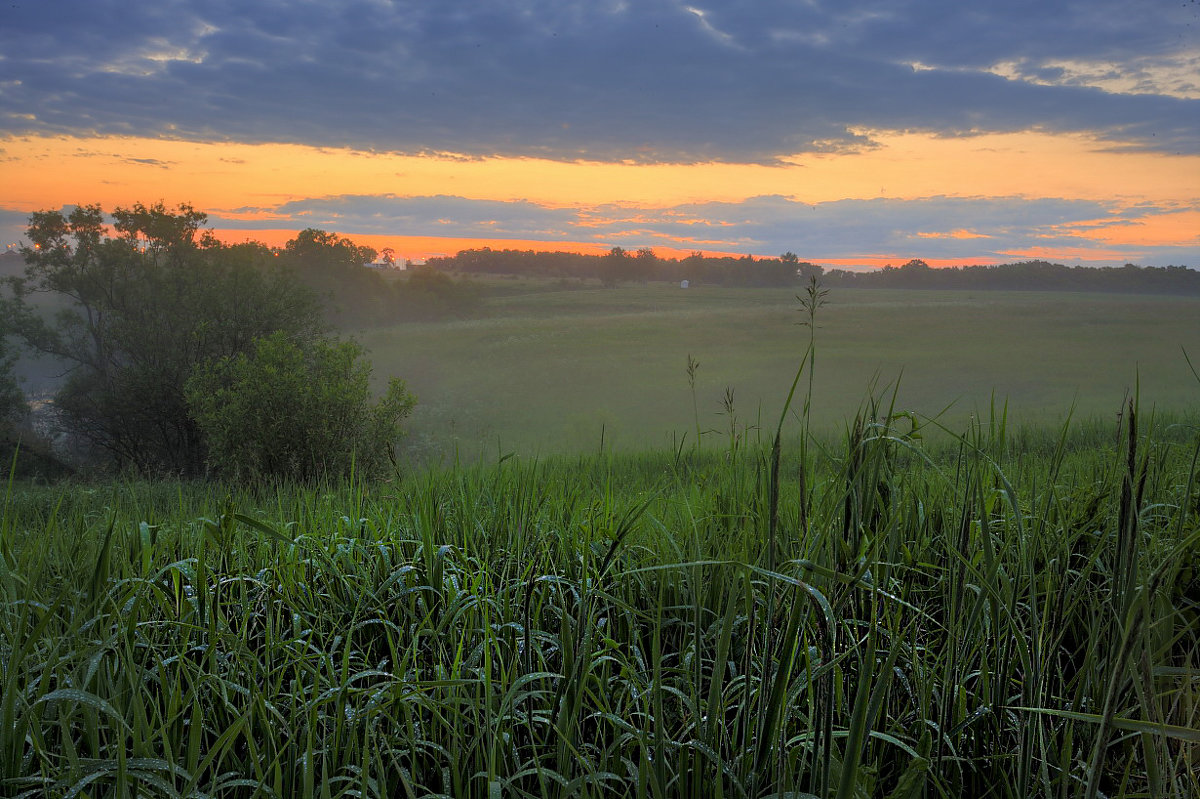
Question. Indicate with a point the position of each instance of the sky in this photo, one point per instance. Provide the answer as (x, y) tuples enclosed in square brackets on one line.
[(847, 132)]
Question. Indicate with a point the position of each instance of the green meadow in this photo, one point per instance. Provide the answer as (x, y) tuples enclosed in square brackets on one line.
[(990, 600), (553, 364), (880, 617)]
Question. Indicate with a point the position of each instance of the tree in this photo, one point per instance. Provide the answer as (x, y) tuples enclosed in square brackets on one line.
[(141, 311), (646, 266), (318, 249), (616, 267), (162, 236), (334, 268), (288, 410), (12, 400), (810, 270)]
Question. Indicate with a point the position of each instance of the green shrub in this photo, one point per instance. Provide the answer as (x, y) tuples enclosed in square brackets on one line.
[(295, 412)]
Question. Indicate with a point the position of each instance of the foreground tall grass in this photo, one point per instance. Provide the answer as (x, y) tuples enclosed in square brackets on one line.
[(1006, 616)]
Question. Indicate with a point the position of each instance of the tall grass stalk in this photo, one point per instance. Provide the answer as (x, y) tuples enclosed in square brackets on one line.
[(968, 619)]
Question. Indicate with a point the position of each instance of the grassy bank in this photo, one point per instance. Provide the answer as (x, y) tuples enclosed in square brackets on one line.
[(1003, 615)]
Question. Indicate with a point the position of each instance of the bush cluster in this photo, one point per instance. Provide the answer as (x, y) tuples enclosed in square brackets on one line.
[(302, 412), (187, 356)]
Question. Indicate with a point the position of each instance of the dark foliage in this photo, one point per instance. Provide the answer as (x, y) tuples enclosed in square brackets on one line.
[(12, 401), (1025, 276), (618, 266), (354, 295), (140, 311), (295, 412)]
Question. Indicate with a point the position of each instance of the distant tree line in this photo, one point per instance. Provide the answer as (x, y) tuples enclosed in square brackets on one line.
[(619, 266), (1025, 276)]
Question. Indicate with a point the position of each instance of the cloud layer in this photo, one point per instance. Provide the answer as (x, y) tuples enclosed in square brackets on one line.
[(995, 228), (653, 80)]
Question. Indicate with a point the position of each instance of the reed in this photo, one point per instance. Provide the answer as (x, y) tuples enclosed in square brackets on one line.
[(1010, 614)]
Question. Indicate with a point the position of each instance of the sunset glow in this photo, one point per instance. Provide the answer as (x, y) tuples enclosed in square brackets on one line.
[(245, 186), (247, 181), (993, 156)]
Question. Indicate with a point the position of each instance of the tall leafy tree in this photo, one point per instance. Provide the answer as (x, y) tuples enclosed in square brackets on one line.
[(333, 267), (141, 310), (616, 267)]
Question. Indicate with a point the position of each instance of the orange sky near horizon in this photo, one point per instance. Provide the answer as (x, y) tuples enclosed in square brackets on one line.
[(247, 182), (429, 246), (433, 246)]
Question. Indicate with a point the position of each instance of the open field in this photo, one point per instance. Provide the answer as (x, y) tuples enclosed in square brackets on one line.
[(552, 365)]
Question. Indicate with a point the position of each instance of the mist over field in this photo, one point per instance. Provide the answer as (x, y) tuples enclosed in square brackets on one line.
[(553, 366), (552, 370)]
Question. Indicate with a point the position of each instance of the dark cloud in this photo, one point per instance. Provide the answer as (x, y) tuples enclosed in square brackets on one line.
[(739, 80), (422, 216)]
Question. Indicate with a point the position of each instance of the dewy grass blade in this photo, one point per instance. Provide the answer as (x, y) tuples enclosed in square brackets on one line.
[(608, 626), (1173, 731)]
